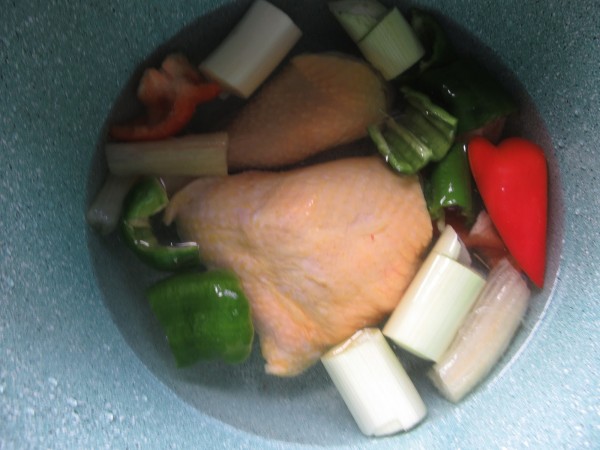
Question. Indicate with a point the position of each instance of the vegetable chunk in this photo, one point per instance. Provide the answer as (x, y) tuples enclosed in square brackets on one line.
[(513, 181), (205, 316), (170, 95)]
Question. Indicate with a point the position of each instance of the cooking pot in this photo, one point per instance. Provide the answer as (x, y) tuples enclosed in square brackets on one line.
[(82, 364)]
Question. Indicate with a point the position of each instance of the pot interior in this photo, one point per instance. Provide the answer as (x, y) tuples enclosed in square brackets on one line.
[(306, 408)]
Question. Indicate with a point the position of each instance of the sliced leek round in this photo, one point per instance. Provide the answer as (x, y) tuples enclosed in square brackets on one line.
[(252, 50), (434, 306), (357, 17), (391, 46), (374, 385), (450, 245)]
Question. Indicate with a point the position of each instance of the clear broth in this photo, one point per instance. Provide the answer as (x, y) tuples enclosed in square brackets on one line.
[(306, 409)]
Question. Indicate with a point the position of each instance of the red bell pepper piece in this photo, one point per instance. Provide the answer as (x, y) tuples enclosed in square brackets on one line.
[(171, 95), (482, 239), (513, 182), (485, 243)]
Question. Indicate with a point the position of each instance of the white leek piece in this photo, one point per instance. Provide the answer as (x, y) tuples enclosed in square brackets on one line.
[(357, 17), (392, 46), (383, 36), (105, 211), (450, 245), (371, 380), (252, 50), (192, 155), (434, 306), (485, 335)]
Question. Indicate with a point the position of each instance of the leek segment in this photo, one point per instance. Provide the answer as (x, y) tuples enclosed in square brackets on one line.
[(252, 50), (373, 384), (450, 245), (383, 36), (105, 211), (485, 335), (192, 155), (391, 46), (436, 302), (357, 17)]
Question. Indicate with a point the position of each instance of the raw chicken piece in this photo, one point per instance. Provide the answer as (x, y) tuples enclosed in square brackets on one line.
[(316, 102), (321, 251)]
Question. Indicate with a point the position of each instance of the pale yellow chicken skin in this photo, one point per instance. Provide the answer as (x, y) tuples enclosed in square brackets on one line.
[(321, 251)]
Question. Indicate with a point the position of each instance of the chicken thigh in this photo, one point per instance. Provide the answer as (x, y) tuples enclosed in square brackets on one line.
[(321, 251)]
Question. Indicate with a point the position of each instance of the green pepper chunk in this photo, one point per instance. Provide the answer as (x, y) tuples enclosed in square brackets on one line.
[(449, 185), (468, 92), (423, 133), (205, 316), (147, 198), (439, 50)]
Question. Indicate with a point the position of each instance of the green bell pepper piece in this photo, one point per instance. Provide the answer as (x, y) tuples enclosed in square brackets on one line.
[(205, 316), (438, 127), (468, 92), (423, 133), (147, 198), (438, 49), (449, 185)]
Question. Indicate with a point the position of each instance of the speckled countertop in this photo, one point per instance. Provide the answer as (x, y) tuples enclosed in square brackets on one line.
[(67, 377)]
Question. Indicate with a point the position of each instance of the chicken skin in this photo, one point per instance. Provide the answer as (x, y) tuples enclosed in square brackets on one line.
[(321, 251)]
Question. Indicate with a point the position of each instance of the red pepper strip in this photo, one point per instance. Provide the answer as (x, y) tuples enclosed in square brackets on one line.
[(171, 96), (513, 182), (482, 239), (485, 242)]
